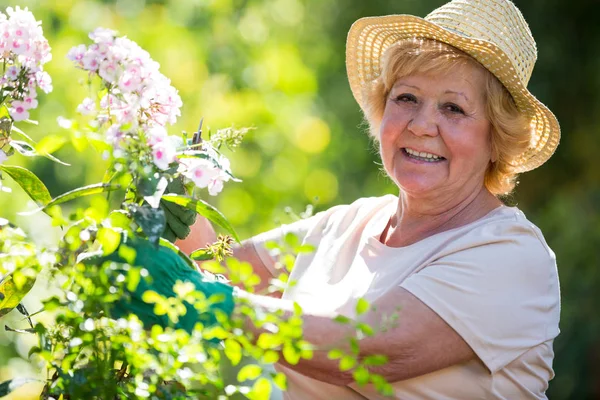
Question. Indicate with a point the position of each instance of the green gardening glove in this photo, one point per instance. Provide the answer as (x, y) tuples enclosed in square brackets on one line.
[(165, 268), (179, 219)]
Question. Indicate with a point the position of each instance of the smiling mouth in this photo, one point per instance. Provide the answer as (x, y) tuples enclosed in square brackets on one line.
[(422, 156)]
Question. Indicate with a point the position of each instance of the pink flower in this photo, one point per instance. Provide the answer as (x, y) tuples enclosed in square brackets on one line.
[(198, 170), (130, 82), (103, 35), (114, 135), (44, 81), (87, 107), (91, 61), (30, 102), (18, 111), (164, 154), (77, 53), (156, 134), (108, 71), (215, 186), (13, 72)]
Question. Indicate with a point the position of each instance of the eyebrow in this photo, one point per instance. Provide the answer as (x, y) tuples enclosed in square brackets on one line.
[(404, 84), (446, 92), (458, 93)]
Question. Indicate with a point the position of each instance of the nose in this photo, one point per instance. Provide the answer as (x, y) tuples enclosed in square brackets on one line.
[(423, 122)]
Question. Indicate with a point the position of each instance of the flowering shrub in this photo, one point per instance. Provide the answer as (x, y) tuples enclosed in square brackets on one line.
[(23, 52), (86, 352)]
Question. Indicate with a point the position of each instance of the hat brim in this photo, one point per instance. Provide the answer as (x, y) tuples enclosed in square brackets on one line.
[(370, 37)]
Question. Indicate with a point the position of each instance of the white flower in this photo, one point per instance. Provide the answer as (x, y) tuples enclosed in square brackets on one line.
[(198, 170), (87, 107), (90, 61), (108, 71), (156, 134), (3, 156), (114, 135), (103, 35), (164, 154), (13, 72), (76, 53), (18, 111)]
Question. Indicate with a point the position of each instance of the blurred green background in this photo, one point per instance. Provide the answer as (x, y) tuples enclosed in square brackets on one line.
[(278, 65)]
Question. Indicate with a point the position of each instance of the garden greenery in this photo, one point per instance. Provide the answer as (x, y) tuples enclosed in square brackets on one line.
[(84, 352)]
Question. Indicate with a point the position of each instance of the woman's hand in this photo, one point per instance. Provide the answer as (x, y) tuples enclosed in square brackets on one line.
[(179, 218), (203, 234)]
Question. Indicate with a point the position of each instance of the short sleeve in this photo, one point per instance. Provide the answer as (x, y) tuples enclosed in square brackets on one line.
[(497, 288), (301, 229)]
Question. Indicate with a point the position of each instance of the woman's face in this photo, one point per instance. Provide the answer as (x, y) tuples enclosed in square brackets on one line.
[(434, 135)]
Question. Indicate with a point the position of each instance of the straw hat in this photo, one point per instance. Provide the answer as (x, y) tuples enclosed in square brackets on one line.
[(493, 32)]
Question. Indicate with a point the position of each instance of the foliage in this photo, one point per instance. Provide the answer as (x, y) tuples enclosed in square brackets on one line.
[(87, 349)]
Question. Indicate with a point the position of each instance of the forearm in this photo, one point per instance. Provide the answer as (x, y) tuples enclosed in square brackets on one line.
[(319, 330)]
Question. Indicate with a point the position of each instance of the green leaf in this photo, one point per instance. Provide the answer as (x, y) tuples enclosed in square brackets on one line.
[(50, 143), (375, 360), (74, 194), (204, 209), (341, 319), (249, 372), (291, 240), (291, 355), (10, 295), (280, 380), (233, 351), (354, 346), (214, 266), (261, 390), (335, 354), (29, 182), (151, 220), (347, 363), (365, 329), (10, 385), (297, 309), (361, 375), (201, 255), (362, 306), (23, 148), (110, 240)]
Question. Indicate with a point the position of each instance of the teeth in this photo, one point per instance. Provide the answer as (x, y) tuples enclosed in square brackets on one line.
[(422, 154)]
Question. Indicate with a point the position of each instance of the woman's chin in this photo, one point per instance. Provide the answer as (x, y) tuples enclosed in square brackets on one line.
[(417, 187)]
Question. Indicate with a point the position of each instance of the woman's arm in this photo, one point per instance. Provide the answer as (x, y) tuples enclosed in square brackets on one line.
[(203, 234), (420, 343)]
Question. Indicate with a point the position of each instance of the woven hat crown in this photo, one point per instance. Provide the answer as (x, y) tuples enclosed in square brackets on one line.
[(496, 21)]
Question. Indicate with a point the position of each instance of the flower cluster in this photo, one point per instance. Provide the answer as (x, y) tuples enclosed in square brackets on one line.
[(135, 105), (23, 52), (138, 93)]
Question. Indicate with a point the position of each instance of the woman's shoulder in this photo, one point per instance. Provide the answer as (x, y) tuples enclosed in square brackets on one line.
[(505, 236)]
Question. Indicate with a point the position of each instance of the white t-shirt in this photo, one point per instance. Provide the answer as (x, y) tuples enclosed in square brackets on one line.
[(494, 281)]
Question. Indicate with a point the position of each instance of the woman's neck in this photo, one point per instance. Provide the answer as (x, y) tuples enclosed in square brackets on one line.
[(416, 219)]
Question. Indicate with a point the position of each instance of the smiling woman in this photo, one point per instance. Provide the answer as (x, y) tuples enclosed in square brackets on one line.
[(510, 131)]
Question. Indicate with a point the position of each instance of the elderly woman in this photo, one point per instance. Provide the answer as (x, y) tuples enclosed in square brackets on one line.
[(472, 281)]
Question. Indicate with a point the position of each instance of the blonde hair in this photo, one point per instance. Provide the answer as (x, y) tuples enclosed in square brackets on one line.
[(511, 131)]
